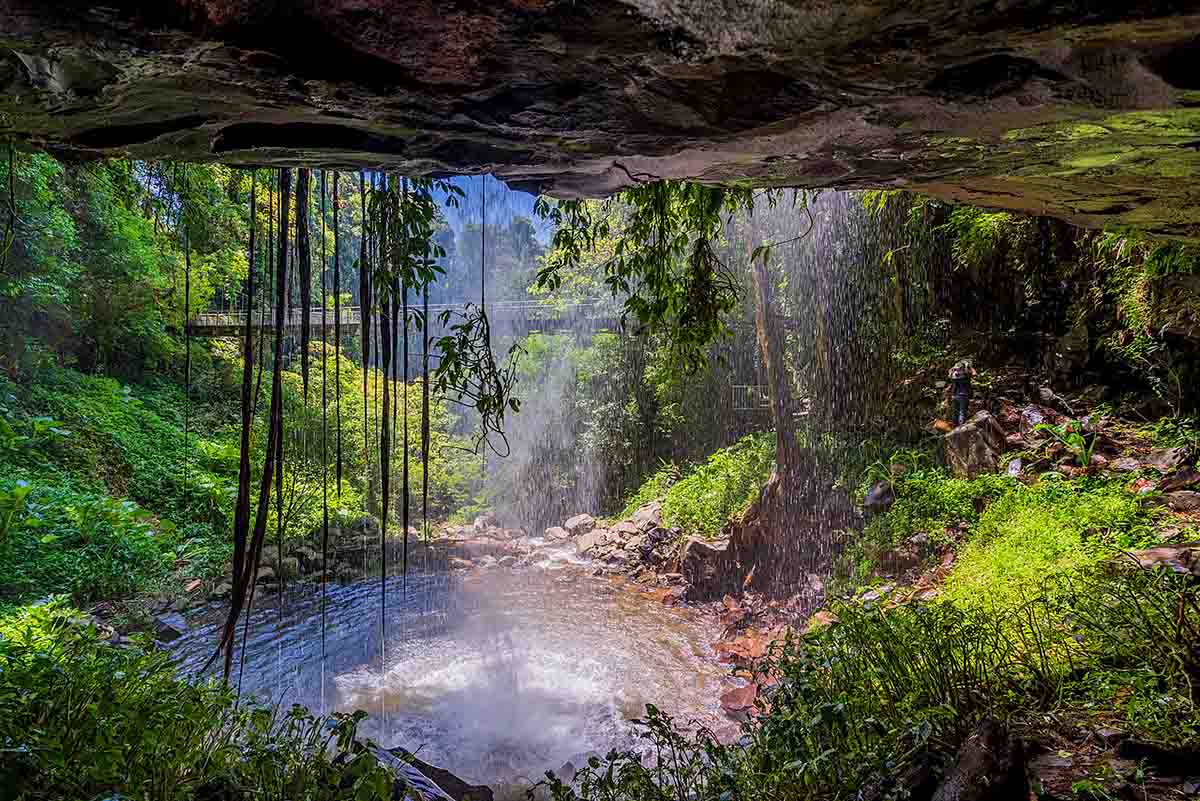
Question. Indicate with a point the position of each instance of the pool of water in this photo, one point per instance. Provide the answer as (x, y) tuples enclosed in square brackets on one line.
[(496, 674)]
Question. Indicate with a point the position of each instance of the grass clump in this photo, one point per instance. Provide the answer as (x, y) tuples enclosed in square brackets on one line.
[(81, 719), (701, 499), (929, 500), (1032, 534)]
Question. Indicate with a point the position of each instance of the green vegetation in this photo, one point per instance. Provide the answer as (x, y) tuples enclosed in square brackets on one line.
[(701, 499), (1031, 628), (81, 719), (1031, 536)]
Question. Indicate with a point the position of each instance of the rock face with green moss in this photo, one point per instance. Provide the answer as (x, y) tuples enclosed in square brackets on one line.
[(1084, 110)]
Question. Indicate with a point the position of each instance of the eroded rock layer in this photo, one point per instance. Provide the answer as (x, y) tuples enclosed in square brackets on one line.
[(1088, 110)]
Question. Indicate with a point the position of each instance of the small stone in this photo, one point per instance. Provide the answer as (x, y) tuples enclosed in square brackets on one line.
[(1014, 468), (506, 561), (557, 533), (457, 562), (222, 590), (265, 574), (1126, 464)]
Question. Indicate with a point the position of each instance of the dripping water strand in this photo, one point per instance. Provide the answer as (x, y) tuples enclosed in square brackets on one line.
[(324, 441)]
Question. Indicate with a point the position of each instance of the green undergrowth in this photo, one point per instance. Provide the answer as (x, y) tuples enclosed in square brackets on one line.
[(1032, 534), (81, 719), (883, 693), (702, 498)]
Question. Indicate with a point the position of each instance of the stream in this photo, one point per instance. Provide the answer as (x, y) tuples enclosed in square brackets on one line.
[(497, 674)]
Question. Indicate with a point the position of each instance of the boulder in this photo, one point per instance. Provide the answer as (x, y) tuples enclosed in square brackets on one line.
[(1183, 501), (626, 528), (434, 782), (557, 533), (990, 767), (1055, 401), (975, 446), (703, 563), (289, 567), (309, 558), (458, 563), (593, 539), (1168, 459), (169, 627), (1186, 478), (880, 498), (506, 561), (1070, 352), (580, 524), (222, 590), (739, 701)]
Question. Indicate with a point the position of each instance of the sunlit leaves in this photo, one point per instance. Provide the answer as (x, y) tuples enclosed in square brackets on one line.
[(665, 265)]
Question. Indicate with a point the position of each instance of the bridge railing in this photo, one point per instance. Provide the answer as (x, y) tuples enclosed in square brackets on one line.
[(351, 315)]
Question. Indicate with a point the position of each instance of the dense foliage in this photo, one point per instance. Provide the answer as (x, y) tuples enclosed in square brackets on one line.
[(82, 719)]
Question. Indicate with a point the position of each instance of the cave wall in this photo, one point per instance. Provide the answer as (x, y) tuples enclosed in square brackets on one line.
[(1086, 110)]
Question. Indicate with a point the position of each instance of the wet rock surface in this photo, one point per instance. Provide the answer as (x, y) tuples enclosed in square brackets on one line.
[(1085, 112)]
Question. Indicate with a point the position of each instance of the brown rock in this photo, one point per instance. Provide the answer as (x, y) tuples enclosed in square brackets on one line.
[(975, 447), (594, 539), (1176, 558), (605, 94), (821, 620), (990, 767), (704, 564), (1186, 478), (1169, 459), (557, 533)]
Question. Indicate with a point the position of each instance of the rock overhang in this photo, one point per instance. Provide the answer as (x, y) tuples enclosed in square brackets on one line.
[(1089, 111)]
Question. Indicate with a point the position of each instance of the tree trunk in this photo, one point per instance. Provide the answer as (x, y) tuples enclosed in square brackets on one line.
[(771, 348)]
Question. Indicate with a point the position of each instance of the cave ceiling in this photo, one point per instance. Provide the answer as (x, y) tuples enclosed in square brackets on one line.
[(1089, 111)]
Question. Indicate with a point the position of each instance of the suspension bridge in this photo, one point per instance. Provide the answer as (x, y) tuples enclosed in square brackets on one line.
[(516, 317)]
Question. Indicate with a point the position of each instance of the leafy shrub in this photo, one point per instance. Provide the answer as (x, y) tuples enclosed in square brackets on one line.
[(705, 496), (723, 485), (80, 719), (655, 487), (90, 546)]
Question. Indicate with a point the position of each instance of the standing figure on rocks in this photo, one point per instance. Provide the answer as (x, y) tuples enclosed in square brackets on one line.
[(960, 390)]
